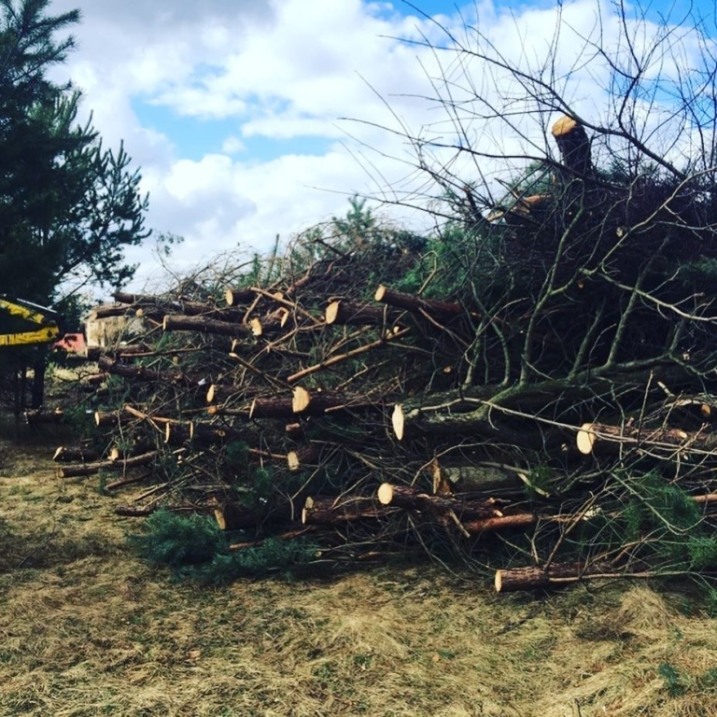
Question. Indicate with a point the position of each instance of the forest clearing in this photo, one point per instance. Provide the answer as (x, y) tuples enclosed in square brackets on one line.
[(461, 467)]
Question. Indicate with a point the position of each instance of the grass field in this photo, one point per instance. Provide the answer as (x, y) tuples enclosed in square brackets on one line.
[(87, 629)]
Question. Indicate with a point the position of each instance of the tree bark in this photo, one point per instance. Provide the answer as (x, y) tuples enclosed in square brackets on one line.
[(124, 297), (88, 469), (176, 322), (74, 454), (535, 578), (605, 439), (415, 304), (176, 434), (483, 478), (410, 498), (37, 416), (346, 313), (302, 456), (141, 373), (110, 419), (574, 145), (473, 423), (330, 510), (242, 412), (272, 407), (317, 403), (235, 297), (107, 311), (505, 522), (204, 435)]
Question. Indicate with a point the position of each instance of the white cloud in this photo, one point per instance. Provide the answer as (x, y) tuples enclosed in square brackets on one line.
[(290, 69), (233, 145)]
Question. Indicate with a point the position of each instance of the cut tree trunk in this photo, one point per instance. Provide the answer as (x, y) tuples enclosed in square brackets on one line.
[(88, 469), (37, 416), (74, 454), (481, 478), (124, 297), (408, 497), (217, 393), (204, 435), (243, 412), (110, 310), (272, 407), (176, 322), (302, 456), (176, 434), (574, 145), (476, 423), (346, 313), (110, 419), (141, 373), (535, 578), (330, 510), (236, 297), (415, 304), (604, 439), (138, 448), (269, 325), (317, 403), (505, 522)]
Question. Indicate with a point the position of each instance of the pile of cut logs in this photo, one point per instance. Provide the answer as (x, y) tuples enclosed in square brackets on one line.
[(282, 419), (330, 406)]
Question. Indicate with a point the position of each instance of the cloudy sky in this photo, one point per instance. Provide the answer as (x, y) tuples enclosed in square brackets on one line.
[(252, 118)]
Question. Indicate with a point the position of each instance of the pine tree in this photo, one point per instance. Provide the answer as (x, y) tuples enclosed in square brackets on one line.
[(68, 207)]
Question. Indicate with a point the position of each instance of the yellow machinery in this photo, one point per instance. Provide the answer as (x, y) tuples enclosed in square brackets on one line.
[(23, 323), (25, 330)]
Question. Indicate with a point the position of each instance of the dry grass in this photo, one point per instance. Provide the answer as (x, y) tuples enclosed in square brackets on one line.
[(86, 629)]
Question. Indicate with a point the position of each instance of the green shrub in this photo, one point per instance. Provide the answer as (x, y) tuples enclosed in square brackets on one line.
[(194, 547), (175, 540), (271, 556)]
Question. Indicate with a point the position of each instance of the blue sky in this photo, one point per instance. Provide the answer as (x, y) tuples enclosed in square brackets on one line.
[(235, 110)]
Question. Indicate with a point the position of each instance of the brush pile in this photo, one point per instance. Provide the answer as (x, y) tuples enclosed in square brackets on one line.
[(530, 391)]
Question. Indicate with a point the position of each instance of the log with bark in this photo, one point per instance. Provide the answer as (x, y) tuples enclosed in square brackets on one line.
[(141, 373), (302, 457), (238, 297), (442, 310), (180, 322), (88, 469), (38, 416), (75, 454), (410, 498), (604, 439), (345, 313), (554, 575), (574, 145), (337, 510), (318, 403)]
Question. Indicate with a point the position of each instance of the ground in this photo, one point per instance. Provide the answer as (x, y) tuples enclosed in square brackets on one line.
[(86, 629)]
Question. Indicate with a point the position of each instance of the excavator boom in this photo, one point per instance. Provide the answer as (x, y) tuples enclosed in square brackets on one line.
[(23, 323)]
